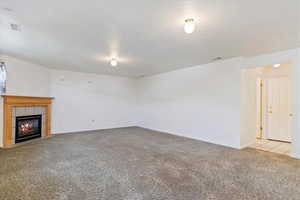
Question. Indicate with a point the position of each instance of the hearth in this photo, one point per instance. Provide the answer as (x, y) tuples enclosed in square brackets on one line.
[(28, 127)]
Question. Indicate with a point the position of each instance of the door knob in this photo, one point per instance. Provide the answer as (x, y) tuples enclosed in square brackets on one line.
[(270, 110)]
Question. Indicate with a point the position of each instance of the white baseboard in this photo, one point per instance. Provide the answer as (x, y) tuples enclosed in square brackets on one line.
[(247, 145), (182, 135), (89, 130)]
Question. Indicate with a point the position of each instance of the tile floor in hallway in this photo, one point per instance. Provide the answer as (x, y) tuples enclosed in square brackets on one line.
[(273, 146)]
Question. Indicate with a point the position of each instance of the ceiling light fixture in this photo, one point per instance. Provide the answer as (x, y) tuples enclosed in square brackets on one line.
[(276, 65), (113, 62), (189, 25)]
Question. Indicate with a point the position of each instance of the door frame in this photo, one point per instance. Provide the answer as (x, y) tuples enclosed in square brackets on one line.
[(262, 129), (261, 112)]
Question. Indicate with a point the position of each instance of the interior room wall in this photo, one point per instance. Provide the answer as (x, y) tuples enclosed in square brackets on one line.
[(82, 101), (24, 79), (249, 106), (207, 102), (296, 106), (88, 101), (201, 102)]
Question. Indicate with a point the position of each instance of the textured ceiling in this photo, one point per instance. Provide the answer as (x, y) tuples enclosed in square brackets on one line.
[(147, 37)]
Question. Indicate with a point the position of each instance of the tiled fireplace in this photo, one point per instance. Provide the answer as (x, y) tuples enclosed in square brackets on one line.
[(28, 123), (26, 118)]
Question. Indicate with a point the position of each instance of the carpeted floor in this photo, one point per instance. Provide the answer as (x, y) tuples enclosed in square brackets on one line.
[(135, 164)]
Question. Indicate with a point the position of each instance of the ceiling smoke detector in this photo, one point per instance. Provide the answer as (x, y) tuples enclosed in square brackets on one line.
[(15, 27)]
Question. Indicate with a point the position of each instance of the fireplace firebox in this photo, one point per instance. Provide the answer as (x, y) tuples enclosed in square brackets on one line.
[(28, 127)]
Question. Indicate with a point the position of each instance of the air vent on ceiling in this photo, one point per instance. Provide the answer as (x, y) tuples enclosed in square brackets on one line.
[(141, 76), (217, 59), (7, 9), (15, 27)]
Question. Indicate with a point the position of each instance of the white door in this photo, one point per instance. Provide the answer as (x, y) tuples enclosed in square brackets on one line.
[(279, 109)]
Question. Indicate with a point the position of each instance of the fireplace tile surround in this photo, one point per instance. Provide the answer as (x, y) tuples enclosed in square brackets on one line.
[(26, 111), (16, 106)]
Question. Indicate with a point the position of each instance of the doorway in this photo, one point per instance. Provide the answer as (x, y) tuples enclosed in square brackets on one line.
[(273, 108), (278, 117)]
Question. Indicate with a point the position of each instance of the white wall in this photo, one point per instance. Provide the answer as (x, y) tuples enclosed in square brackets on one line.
[(82, 101), (89, 101), (248, 106), (208, 102), (23, 78), (203, 102), (296, 106), (200, 102)]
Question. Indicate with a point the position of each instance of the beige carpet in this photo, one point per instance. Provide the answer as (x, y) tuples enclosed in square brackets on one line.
[(136, 164)]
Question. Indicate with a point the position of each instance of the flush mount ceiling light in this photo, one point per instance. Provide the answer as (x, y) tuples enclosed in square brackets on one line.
[(113, 62), (276, 65), (189, 25)]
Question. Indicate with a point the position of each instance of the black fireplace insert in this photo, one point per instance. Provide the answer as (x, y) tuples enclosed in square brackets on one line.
[(28, 127)]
